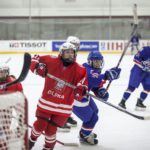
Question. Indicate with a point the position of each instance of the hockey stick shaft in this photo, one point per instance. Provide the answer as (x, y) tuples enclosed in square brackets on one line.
[(135, 18), (24, 72), (118, 108), (99, 99), (62, 143)]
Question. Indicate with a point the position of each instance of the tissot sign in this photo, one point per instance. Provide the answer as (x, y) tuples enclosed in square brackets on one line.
[(25, 45)]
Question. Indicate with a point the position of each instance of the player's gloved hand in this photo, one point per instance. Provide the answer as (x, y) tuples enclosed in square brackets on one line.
[(102, 93), (112, 74), (146, 65), (41, 69), (80, 91)]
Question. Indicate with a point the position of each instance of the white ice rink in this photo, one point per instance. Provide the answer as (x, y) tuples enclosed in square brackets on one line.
[(116, 130)]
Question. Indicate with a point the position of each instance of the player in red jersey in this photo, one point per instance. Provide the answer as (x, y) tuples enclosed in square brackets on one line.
[(55, 105), (6, 78)]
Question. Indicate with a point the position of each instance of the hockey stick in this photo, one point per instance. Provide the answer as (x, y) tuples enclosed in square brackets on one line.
[(7, 60), (62, 143), (120, 109), (135, 19), (99, 99), (24, 72)]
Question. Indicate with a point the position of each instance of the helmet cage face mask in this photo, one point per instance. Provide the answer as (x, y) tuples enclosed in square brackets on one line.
[(97, 64), (66, 50)]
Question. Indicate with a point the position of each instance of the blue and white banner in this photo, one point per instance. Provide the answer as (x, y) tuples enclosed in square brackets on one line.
[(84, 45), (89, 45), (56, 45)]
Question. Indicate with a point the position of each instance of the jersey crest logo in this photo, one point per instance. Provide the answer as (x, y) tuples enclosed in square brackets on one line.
[(94, 74), (59, 86)]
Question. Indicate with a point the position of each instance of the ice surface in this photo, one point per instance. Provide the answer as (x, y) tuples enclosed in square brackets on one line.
[(116, 130)]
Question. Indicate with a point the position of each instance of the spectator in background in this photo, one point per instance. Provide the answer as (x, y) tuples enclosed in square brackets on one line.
[(135, 43)]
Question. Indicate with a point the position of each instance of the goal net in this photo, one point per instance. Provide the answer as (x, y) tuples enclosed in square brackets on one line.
[(13, 121)]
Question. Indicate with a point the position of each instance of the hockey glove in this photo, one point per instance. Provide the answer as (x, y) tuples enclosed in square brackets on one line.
[(146, 65), (80, 91), (102, 93), (41, 69), (112, 74)]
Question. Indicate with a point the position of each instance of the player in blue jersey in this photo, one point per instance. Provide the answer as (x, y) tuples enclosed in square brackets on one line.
[(140, 74), (134, 43), (86, 109)]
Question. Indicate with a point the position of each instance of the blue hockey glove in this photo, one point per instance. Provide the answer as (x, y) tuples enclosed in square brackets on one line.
[(112, 74), (102, 93), (146, 65)]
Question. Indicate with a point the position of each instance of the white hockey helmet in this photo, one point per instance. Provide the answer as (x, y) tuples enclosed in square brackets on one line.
[(4, 72), (74, 40), (67, 46)]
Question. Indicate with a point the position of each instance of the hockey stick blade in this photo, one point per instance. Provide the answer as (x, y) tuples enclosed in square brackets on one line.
[(24, 72), (62, 143), (68, 144)]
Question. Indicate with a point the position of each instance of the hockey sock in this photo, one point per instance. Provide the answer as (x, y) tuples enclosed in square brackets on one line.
[(143, 95), (127, 93), (50, 136), (38, 127), (87, 127)]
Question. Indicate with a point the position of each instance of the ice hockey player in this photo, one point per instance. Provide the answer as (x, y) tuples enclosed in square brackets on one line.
[(71, 122), (55, 105), (140, 73), (86, 109)]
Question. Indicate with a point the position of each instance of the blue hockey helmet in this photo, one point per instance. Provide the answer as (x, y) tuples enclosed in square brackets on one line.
[(93, 56)]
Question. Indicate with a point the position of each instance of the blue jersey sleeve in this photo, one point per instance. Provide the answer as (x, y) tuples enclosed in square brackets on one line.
[(94, 77), (143, 54)]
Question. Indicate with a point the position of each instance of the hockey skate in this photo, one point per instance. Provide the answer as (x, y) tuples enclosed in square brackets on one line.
[(65, 128), (140, 106), (122, 104), (94, 135), (71, 122), (31, 143), (90, 139)]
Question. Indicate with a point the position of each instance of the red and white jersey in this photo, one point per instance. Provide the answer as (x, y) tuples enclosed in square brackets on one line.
[(58, 98), (13, 88)]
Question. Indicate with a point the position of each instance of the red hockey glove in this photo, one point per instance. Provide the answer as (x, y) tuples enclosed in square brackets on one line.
[(41, 69), (80, 91)]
